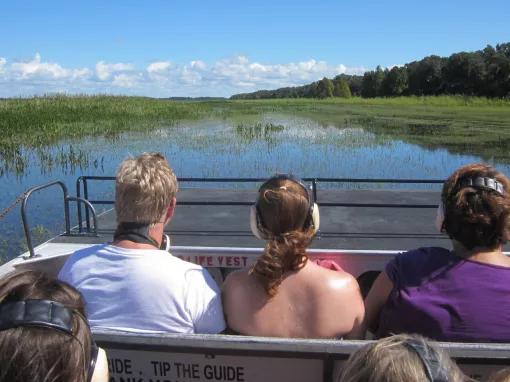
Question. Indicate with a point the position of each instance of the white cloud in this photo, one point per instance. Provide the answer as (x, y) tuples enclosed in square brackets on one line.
[(37, 68), (199, 65), (125, 80), (159, 66), (162, 78), (105, 71)]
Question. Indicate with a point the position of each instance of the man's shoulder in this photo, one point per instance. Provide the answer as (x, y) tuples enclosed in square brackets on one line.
[(83, 253)]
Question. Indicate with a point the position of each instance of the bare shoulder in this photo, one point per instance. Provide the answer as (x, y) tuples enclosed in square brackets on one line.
[(236, 285), (337, 281), (235, 279)]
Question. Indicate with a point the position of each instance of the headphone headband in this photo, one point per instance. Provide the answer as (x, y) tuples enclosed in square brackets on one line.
[(484, 183), (43, 313), (289, 177), (428, 356)]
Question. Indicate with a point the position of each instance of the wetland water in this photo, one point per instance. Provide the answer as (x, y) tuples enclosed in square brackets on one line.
[(250, 147)]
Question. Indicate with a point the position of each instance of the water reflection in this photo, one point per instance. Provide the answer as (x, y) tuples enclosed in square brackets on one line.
[(251, 147)]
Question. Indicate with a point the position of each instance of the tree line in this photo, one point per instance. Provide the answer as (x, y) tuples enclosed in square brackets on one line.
[(484, 72)]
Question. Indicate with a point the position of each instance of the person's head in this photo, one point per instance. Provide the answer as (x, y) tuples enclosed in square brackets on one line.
[(285, 215), (476, 207), (44, 335), (403, 357), (500, 376), (145, 190)]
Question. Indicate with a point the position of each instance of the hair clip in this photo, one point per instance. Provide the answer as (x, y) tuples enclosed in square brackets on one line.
[(484, 182)]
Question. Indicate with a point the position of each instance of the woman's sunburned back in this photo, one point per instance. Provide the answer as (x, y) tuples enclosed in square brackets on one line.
[(312, 302)]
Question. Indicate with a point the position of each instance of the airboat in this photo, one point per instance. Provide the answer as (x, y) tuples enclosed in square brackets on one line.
[(364, 223)]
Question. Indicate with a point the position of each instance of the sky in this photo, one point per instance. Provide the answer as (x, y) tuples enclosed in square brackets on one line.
[(219, 48)]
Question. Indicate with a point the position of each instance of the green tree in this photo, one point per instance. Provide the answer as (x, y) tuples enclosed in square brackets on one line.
[(497, 63), (325, 88), (371, 83), (465, 73), (425, 76), (353, 81), (395, 82), (341, 89)]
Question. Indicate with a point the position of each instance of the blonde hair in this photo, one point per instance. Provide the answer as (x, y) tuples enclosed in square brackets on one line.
[(500, 376), (390, 359), (145, 187)]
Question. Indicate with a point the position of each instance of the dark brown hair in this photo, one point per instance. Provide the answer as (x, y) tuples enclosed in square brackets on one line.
[(476, 216), (283, 207), (29, 353)]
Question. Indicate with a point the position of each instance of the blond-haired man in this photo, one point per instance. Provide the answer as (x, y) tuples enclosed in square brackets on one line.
[(131, 284)]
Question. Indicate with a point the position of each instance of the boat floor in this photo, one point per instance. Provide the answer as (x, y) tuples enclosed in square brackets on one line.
[(351, 227)]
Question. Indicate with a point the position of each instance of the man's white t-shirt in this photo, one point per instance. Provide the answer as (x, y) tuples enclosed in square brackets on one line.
[(144, 290)]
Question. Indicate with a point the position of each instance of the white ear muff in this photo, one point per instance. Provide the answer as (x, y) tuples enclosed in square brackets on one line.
[(165, 245), (440, 217), (254, 224), (316, 218)]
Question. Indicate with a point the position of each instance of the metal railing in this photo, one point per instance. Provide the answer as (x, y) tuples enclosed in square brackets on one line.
[(66, 200), (82, 187)]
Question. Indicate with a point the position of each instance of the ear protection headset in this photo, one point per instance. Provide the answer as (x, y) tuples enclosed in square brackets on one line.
[(480, 182), (44, 314), (312, 218), (433, 369), (139, 233)]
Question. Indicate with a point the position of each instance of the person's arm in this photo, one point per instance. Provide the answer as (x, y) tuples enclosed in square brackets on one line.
[(376, 299), (204, 302), (101, 369), (359, 327), (346, 308)]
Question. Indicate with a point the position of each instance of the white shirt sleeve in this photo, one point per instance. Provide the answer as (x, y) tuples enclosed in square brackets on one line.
[(203, 302)]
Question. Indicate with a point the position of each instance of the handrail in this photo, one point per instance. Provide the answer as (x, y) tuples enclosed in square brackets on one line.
[(24, 217), (66, 199), (91, 207), (82, 181)]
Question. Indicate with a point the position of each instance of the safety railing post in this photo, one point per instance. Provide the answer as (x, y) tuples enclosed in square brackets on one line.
[(78, 205), (24, 217), (86, 197)]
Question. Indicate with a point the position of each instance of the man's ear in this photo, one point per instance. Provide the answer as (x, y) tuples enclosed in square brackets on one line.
[(170, 210)]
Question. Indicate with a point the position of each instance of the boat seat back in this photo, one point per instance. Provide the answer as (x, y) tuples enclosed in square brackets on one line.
[(173, 357)]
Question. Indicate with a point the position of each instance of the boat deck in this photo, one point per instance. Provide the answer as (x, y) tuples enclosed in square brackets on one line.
[(354, 225)]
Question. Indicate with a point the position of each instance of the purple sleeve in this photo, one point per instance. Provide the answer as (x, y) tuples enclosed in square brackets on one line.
[(393, 269), (408, 268)]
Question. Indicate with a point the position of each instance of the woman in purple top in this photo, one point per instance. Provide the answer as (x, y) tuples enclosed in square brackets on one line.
[(459, 295)]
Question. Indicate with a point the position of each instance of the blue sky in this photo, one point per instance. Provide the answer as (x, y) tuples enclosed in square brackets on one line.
[(206, 48)]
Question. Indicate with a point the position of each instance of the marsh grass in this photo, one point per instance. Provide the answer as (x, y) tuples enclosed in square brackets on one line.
[(469, 125)]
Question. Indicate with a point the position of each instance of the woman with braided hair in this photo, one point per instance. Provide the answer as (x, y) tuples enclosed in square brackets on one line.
[(460, 294), (283, 294)]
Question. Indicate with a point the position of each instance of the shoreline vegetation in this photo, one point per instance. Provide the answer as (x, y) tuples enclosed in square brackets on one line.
[(47, 131), (484, 73), (468, 125)]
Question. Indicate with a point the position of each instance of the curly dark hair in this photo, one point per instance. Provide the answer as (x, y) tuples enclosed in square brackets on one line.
[(284, 208), (476, 216)]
